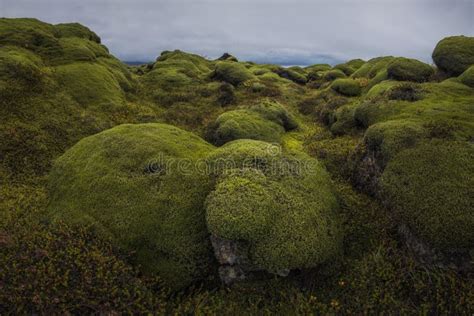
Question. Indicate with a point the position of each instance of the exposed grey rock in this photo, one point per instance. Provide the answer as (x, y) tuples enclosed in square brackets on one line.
[(234, 261), (455, 260)]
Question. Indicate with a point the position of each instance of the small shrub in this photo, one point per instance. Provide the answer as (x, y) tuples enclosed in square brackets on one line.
[(454, 54)]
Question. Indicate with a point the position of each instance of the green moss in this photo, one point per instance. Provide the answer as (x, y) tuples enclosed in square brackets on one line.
[(276, 113), (373, 67), (454, 54), (126, 183), (231, 72), (347, 87), (89, 84), (405, 91), (178, 57), (388, 138), (76, 30), (295, 74), (430, 186), (351, 66), (30, 34), (449, 100), (342, 120), (265, 121), (243, 124), (20, 71), (315, 71), (406, 69), (467, 77), (280, 203), (334, 74)]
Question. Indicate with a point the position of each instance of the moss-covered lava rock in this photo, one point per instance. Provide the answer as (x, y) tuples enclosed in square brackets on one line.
[(136, 185), (280, 204), (266, 121), (431, 188), (454, 54)]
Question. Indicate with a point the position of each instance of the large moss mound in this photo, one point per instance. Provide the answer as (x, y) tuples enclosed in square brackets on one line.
[(454, 54), (136, 185), (231, 72), (280, 203), (407, 69), (347, 87), (431, 186), (266, 121)]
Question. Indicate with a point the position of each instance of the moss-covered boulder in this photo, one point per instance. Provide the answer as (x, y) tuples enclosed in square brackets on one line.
[(136, 185), (386, 139), (243, 124), (347, 87), (278, 206), (454, 54), (231, 72), (407, 69), (467, 77), (266, 121), (431, 187)]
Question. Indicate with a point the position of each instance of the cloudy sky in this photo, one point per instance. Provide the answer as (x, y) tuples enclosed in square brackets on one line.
[(279, 31)]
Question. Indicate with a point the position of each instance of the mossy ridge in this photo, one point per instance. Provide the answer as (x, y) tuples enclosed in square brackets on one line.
[(139, 198), (289, 184), (431, 186)]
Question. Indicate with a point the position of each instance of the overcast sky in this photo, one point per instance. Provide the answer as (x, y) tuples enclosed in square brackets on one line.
[(279, 31)]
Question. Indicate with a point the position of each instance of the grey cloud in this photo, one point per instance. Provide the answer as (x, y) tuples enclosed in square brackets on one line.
[(280, 31)]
